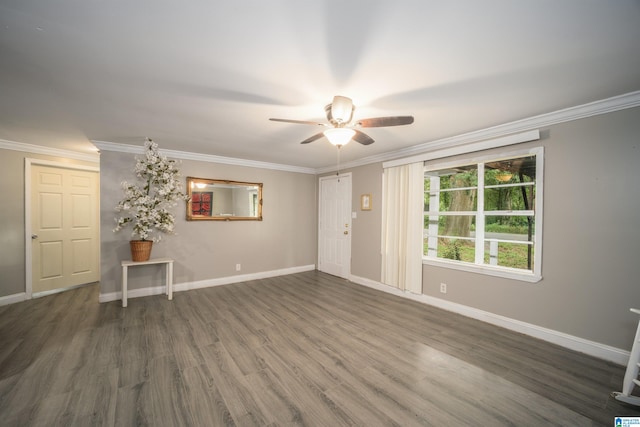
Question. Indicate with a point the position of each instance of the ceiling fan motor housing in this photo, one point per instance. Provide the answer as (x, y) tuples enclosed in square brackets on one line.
[(340, 111)]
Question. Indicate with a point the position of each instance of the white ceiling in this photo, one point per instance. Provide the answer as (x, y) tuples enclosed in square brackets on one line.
[(204, 76)]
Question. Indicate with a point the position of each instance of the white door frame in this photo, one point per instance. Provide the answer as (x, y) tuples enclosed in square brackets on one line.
[(349, 175), (28, 162)]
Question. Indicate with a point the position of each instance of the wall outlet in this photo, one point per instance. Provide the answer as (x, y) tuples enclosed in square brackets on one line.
[(238, 267), (443, 288)]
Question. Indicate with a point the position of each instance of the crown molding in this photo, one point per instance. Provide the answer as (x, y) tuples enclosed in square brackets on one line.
[(184, 155), (609, 105), (56, 152)]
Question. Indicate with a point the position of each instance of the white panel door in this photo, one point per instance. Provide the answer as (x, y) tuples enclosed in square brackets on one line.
[(334, 228), (64, 226)]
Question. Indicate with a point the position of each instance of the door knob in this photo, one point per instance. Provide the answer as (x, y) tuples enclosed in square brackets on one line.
[(34, 236), (346, 232)]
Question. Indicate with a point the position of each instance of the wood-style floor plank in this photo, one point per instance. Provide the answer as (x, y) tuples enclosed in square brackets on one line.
[(305, 349)]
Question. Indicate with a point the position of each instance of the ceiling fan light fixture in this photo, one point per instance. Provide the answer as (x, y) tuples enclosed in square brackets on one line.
[(339, 136)]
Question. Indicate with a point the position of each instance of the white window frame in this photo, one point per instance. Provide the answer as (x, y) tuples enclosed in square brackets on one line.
[(537, 212)]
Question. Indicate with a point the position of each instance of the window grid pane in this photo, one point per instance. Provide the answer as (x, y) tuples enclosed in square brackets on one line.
[(457, 249), (519, 255)]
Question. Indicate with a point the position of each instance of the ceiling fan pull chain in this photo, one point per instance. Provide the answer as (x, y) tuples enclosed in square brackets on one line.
[(338, 173)]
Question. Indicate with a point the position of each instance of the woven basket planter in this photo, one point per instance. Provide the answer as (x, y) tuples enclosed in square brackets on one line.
[(141, 250)]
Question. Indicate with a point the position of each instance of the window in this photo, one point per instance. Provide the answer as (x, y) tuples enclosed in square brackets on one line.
[(485, 215)]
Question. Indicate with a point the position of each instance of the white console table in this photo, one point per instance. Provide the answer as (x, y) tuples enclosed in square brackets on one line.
[(168, 275)]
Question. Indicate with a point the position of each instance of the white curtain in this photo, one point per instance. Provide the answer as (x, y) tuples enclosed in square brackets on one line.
[(402, 226)]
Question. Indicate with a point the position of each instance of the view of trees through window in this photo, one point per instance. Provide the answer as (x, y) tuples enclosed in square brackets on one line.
[(482, 213)]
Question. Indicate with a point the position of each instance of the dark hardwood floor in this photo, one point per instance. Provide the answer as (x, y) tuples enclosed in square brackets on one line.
[(304, 349)]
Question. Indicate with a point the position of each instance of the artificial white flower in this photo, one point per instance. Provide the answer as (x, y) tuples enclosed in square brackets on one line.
[(146, 206)]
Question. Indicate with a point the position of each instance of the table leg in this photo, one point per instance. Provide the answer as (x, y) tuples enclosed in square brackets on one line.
[(166, 279), (124, 285), (170, 279)]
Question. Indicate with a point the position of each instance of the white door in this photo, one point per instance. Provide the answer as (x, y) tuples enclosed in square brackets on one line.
[(334, 228), (64, 226)]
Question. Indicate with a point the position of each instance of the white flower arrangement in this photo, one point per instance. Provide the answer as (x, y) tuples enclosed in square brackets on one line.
[(148, 207)]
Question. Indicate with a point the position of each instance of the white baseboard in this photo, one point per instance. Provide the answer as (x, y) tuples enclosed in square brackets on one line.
[(143, 292), (133, 293), (12, 299), (58, 290), (591, 348), (241, 278)]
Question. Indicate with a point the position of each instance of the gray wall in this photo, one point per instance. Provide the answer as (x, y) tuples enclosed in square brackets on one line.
[(12, 250), (210, 249), (366, 255), (591, 236)]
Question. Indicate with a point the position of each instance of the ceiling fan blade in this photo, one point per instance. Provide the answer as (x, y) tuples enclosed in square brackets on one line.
[(299, 122), (362, 138), (379, 122), (313, 138)]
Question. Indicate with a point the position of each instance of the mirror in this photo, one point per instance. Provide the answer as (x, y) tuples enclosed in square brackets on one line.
[(220, 200)]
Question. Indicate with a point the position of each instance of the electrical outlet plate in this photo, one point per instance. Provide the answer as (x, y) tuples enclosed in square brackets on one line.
[(238, 267), (443, 288)]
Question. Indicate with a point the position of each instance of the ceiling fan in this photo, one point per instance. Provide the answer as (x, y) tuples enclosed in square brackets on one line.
[(341, 130)]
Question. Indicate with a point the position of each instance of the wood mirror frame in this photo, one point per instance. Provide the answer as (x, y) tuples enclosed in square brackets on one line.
[(223, 200)]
